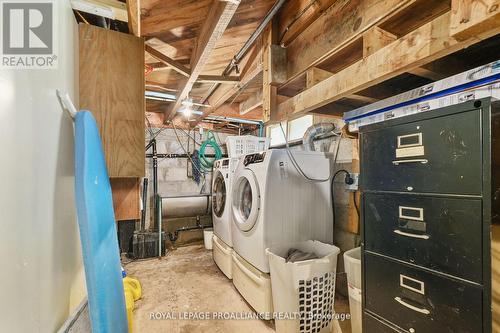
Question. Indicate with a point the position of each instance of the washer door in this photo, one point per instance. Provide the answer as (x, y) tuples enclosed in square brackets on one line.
[(246, 200), (219, 194)]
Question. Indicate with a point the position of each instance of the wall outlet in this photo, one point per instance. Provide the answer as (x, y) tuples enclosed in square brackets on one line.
[(354, 186)]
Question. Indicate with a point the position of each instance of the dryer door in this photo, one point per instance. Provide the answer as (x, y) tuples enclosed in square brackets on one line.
[(246, 200), (219, 194)]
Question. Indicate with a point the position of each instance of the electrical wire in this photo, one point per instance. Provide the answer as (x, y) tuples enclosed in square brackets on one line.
[(188, 155), (297, 166)]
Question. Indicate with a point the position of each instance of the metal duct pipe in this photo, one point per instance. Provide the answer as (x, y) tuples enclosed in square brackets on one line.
[(186, 206), (313, 131), (241, 53)]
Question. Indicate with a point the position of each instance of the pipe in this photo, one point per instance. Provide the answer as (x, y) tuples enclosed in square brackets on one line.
[(186, 206), (242, 52), (261, 129), (155, 180), (175, 235), (158, 210), (314, 131), (144, 203), (235, 120)]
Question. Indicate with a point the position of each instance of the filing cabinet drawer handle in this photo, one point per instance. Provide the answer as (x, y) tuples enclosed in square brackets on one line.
[(411, 307), (418, 160), (407, 234)]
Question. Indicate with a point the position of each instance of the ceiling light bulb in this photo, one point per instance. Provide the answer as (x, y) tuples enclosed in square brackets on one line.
[(188, 103), (187, 112)]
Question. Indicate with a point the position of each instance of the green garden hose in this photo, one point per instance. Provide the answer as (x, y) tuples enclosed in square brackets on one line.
[(207, 163)]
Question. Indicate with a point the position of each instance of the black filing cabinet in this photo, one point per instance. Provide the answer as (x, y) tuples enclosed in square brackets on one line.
[(430, 200)]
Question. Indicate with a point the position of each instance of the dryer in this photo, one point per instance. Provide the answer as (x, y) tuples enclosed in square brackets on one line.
[(221, 213), (221, 200), (273, 204)]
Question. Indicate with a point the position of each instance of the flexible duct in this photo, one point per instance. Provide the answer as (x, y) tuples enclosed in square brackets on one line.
[(314, 131)]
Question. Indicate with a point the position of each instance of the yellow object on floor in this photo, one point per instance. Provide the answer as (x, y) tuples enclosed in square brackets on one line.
[(133, 292)]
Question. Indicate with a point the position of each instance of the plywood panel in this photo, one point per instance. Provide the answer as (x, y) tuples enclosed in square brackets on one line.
[(126, 198), (112, 88)]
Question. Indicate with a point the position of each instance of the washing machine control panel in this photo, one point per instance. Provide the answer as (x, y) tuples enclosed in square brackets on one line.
[(254, 158)]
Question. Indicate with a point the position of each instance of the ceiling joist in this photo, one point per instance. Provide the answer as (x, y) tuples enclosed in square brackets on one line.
[(175, 65), (219, 16)]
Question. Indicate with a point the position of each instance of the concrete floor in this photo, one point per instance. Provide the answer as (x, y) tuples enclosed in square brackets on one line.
[(187, 280)]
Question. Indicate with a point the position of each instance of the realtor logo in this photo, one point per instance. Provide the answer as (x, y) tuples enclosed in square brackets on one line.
[(28, 34)]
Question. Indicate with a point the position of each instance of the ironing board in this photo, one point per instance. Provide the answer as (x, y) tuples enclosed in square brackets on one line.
[(98, 235)]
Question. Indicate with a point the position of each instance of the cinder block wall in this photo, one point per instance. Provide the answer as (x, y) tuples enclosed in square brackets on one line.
[(174, 173)]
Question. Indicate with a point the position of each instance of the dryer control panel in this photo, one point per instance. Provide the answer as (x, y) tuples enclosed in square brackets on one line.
[(254, 158)]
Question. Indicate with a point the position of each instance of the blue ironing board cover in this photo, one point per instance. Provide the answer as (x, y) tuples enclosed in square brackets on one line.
[(96, 220)]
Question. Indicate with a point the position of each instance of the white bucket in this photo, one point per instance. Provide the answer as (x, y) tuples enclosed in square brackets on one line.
[(352, 265), (304, 288), (207, 238)]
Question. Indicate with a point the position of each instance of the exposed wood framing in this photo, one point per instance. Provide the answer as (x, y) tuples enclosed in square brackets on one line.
[(218, 79), (134, 17), (175, 65), (255, 101), (297, 15), (376, 38), (269, 90), (315, 75), (472, 17), (427, 73), (119, 8), (421, 46), (353, 222), (277, 65), (340, 25), (251, 69), (221, 13)]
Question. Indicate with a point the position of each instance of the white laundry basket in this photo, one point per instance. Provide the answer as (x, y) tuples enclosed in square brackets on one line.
[(352, 265), (238, 146), (304, 291)]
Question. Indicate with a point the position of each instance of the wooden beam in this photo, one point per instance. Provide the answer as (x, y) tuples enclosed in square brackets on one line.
[(338, 26), (376, 38), (291, 24), (427, 73), (251, 103), (269, 91), (134, 17), (219, 16), (277, 65), (119, 8), (178, 67), (218, 79), (423, 45), (471, 17), (315, 75), (251, 70), (233, 111)]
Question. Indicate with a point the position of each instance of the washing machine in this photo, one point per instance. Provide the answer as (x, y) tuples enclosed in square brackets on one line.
[(273, 204), (221, 213)]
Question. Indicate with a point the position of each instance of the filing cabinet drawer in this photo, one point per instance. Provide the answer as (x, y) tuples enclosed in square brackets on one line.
[(419, 301), (374, 325), (442, 234), (438, 155)]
